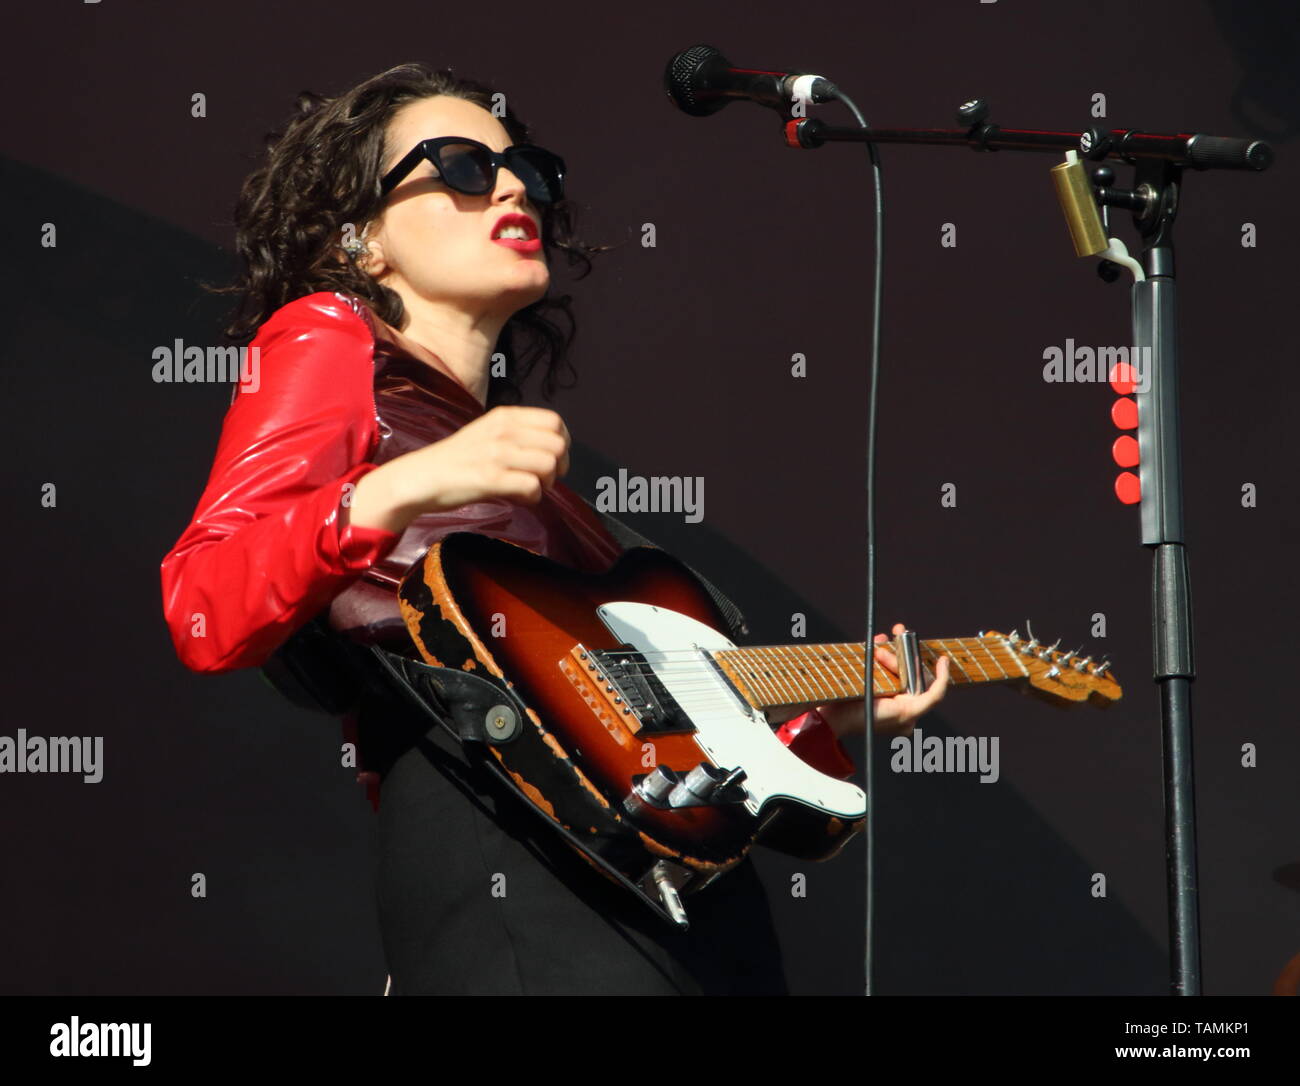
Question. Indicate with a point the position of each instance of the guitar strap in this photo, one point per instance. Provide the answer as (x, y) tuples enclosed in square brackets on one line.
[(457, 702)]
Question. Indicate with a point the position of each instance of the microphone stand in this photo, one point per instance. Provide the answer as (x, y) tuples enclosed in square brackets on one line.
[(1159, 161)]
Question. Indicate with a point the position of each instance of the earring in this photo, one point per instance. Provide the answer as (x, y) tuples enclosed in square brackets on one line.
[(356, 247)]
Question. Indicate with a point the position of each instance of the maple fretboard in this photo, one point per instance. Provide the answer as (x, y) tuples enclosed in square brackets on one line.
[(772, 676)]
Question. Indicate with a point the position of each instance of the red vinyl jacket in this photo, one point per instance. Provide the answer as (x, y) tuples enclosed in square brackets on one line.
[(270, 545)]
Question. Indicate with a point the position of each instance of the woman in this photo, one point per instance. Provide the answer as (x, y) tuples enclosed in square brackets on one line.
[(396, 247)]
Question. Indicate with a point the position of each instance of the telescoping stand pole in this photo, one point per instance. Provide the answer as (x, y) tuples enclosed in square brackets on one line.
[(1160, 472)]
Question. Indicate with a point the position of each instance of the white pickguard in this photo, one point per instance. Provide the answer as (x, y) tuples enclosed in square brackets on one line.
[(728, 730)]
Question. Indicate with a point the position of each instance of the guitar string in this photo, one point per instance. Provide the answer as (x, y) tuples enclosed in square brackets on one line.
[(693, 675), (797, 653), (683, 674), (706, 694), (786, 668), (818, 646), (790, 668), (775, 671), (783, 664), (783, 668)]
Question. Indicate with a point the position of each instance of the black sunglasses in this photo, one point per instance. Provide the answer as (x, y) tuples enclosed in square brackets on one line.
[(471, 167)]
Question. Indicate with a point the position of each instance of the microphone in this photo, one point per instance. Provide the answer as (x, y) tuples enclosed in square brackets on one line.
[(700, 81)]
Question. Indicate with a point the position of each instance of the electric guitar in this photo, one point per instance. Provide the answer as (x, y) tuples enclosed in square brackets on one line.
[(612, 704)]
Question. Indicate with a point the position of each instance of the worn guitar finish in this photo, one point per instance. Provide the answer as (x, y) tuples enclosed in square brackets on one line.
[(631, 722)]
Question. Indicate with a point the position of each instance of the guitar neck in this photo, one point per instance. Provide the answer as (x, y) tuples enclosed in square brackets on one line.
[(776, 676)]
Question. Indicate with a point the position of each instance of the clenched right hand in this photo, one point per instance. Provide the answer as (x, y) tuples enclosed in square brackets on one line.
[(512, 452)]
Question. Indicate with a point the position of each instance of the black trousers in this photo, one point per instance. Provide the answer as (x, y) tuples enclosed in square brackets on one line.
[(477, 895)]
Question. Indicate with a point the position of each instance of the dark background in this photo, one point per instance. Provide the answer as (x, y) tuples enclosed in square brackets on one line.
[(684, 353)]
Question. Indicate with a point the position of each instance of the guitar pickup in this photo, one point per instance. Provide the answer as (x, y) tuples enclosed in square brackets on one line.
[(624, 692)]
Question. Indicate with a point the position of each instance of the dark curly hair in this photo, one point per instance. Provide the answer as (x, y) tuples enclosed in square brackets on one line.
[(322, 173)]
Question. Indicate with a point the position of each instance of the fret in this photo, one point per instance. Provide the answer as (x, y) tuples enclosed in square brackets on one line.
[(982, 644), (850, 661), (885, 682), (814, 673), (777, 654), (998, 650), (964, 674), (784, 695), (772, 654), (850, 684), (851, 653), (754, 653), (772, 679), (880, 676), (1020, 671), (761, 690), (970, 650), (969, 656), (808, 679), (797, 676), (930, 654), (814, 666)]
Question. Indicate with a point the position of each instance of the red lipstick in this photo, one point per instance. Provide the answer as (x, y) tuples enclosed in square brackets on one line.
[(529, 243)]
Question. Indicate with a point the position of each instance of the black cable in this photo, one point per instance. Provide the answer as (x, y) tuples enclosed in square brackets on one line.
[(869, 657)]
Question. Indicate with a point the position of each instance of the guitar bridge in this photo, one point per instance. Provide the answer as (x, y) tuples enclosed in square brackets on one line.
[(624, 692)]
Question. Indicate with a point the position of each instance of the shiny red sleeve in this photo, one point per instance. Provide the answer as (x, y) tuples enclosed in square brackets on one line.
[(270, 544), (810, 737)]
